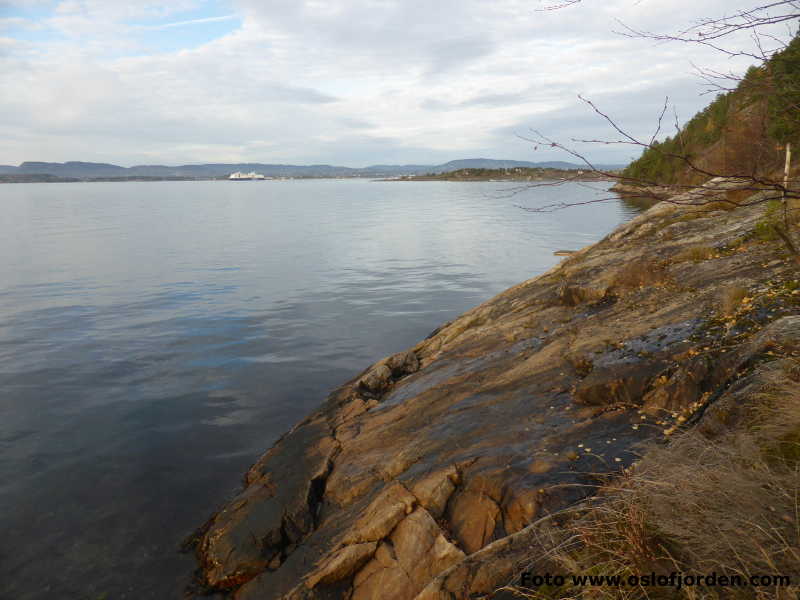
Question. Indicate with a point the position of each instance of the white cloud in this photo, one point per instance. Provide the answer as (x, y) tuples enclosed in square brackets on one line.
[(7, 23), (359, 82)]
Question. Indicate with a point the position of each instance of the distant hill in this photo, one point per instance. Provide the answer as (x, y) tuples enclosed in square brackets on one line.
[(71, 169), (88, 170), (487, 163)]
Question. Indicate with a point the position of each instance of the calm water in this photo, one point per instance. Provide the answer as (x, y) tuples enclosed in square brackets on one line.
[(155, 338)]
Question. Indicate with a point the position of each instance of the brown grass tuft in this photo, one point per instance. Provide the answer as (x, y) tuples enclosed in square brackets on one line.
[(582, 364), (639, 273), (737, 198), (695, 254), (697, 506), (731, 298)]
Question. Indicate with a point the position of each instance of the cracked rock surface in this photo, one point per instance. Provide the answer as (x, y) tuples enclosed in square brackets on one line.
[(419, 477)]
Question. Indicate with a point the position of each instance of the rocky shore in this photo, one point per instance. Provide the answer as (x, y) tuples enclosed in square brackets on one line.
[(422, 477), (653, 193)]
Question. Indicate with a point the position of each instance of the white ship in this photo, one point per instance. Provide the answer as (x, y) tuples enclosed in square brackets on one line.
[(246, 176)]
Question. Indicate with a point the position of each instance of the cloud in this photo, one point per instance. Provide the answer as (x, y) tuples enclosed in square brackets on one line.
[(497, 100), (13, 23), (452, 54), (353, 82)]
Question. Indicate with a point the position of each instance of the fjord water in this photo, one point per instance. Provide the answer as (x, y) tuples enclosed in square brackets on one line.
[(156, 337)]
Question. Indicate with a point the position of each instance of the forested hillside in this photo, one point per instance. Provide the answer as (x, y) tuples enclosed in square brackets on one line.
[(741, 132)]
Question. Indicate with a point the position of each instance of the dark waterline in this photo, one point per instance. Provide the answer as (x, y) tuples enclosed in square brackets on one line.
[(155, 338)]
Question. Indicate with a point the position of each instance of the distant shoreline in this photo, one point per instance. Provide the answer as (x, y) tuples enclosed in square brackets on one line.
[(71, 171), (549, 177), (524, 175), (39, 178), (518, 174)]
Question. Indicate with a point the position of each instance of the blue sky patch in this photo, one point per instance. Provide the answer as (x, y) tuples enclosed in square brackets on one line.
[(186, 34), (188, 29), (171, 32)]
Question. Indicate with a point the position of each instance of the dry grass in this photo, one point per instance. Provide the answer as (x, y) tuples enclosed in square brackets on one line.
[(638, 274), (736, 198), (729, 506), (582, 364), (731, 298), (695, 254), (718, 205), (575, 294)]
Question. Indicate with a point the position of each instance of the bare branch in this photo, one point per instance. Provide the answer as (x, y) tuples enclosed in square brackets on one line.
[(751, 174), (709, 31), (660, 118)]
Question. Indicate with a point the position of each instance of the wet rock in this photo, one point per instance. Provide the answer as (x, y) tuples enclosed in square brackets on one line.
[(623, 383), (682, 388), (274, 512), (779, 336)]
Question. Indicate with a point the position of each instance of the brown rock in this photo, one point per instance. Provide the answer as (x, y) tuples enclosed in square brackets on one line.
[(382, 577), (382, 515), (481, 573), (342, 564), (421, 548), (435, 490), (473, 517), (519, 509), (623, 383), (403, 363), (377, 380), (416, 552), (243, 538), (680, 390)]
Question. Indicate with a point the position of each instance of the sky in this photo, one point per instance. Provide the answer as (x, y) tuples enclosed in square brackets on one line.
[(348, 82)]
